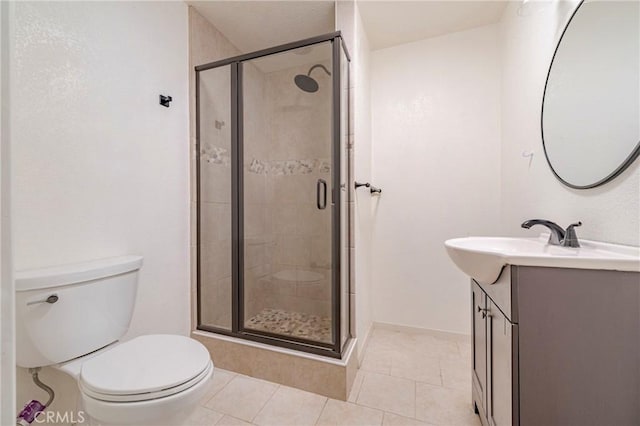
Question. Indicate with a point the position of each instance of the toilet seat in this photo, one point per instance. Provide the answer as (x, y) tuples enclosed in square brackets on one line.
[(145, 368)]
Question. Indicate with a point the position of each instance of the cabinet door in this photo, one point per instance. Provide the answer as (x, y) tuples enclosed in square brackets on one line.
[(500, 338), (479, 347)]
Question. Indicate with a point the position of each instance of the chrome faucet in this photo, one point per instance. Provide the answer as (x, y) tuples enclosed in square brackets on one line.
[(558, 237)]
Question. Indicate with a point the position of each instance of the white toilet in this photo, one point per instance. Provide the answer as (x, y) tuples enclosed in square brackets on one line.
[(71, 318)]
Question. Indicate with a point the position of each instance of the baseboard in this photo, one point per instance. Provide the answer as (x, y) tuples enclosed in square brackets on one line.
[(365, 344), (458, 337)]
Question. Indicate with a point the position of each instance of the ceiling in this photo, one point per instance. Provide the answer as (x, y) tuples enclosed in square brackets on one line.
[(389, 23), (255, 25), (252, 25)]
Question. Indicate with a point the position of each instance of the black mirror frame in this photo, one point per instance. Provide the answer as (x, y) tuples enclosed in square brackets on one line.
[(621, 168)]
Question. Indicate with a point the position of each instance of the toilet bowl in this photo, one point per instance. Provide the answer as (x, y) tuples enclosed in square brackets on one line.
[(155, 379), (71, 319)]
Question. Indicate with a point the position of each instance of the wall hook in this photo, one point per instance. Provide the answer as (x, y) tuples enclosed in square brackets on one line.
[(165, 100)]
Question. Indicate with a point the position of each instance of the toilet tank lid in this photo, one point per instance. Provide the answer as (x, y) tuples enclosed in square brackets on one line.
[(54, 276)]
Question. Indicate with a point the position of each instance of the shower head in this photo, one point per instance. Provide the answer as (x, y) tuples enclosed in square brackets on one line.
[(306, 83)]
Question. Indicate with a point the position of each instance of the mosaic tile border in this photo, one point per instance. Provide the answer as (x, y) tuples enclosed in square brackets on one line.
[(290, 167), (217, 155)]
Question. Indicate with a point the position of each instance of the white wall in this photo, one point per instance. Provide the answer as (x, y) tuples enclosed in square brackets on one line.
[(99, 167), (609, 213), (7, 293), (436, 155), (363, 223), (349, 22)]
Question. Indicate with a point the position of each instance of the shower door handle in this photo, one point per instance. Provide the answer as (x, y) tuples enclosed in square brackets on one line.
[(321, 201)]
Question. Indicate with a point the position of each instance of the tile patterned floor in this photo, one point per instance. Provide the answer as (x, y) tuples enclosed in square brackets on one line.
[(295, 324), (405, 379)]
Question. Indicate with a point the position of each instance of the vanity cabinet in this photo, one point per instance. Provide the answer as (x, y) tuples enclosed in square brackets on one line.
[(494, 353), (479, 348), (556, 347)]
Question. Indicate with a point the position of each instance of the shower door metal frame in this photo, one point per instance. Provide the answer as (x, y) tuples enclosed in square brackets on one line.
[(237, 201)]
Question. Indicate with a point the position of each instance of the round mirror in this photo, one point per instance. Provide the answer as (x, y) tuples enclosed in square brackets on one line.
[(591, 103)]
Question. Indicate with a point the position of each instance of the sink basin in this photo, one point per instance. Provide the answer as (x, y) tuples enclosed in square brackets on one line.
[(483, 258)]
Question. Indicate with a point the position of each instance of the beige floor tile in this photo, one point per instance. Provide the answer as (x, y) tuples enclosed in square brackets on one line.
[(388, 393), (456, 373), (290, 406), (444, 406), (218, 381), (415, 366), (464, 349), (378, 359), (341, 413), (232, 421), (435, 346), (355, 389), (391, 419), (242, 397), (391, 339), (413, 342), (203, 416)]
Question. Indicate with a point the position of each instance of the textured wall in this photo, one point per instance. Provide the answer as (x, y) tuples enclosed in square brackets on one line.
[(436, 154), (99, 167), (609, 213), (7, 291)]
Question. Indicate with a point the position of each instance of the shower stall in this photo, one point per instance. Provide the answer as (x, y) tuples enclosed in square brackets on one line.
[(272, 188)]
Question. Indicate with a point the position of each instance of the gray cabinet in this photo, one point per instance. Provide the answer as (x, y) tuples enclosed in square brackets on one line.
[(479, 347), (494, 356), (501, 360), (557, 347)]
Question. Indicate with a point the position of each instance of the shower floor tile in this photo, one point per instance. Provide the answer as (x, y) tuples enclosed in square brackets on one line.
[(295, 324)]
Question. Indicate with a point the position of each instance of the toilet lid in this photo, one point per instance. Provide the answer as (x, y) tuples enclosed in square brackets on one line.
[(144, 365)]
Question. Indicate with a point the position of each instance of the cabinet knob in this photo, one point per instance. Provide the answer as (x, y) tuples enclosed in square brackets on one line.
[(485, 311)]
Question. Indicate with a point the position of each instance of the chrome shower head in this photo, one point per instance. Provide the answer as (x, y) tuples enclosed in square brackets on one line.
[(306, 83)]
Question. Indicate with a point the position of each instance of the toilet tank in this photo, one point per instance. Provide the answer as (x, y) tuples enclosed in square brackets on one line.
[(89, 306)]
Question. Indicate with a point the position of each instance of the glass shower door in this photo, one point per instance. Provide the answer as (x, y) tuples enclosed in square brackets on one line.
[(214, 215), (272, 196), (287, 198)]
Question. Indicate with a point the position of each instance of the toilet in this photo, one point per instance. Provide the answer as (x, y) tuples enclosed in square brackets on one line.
[(72, 318)]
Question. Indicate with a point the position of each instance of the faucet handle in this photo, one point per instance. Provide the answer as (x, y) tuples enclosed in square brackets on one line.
[(571, 238)]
